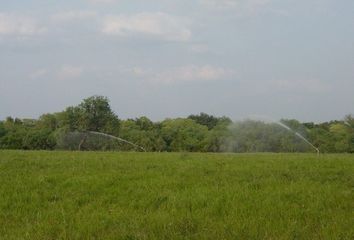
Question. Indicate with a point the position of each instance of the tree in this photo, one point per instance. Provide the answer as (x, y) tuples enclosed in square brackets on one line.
[(48, 121), (15, 132), (349, 120), (342, 137), (92, 114), (295, 125), (2, 130), (39, 139), (142, 132), (183, 135), (144, 123), (217, 138), (208, 120), (71, 119), (98, 116)]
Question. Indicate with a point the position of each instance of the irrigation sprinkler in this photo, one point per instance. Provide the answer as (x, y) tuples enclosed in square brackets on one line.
[(307, 141), (300, 136)]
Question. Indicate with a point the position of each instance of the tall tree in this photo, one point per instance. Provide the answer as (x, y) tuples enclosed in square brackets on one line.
[(97, 115)]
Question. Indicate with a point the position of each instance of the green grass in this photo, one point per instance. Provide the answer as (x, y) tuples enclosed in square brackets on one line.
[(71, 195)]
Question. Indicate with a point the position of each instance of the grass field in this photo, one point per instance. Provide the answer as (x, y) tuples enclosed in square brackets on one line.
[(71, 195)]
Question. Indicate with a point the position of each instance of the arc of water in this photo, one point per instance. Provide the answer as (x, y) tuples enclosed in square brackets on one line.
[(270, 120), (348, 124), (299, 136), (118, 139)]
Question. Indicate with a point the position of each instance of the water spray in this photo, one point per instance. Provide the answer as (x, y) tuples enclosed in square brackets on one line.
[(113, 137), (268, 119), (299, 136), (348, 124)]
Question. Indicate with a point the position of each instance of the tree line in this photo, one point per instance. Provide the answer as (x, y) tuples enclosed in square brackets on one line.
[(72, 129)]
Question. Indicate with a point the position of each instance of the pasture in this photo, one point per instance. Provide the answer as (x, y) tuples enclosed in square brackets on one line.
[(100, 195)]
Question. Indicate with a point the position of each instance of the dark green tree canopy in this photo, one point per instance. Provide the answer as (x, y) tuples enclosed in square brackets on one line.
[(201, 132), (207, 120), (96, 114)]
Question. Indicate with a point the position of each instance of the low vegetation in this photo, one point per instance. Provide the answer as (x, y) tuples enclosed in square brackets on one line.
[(97, 195)]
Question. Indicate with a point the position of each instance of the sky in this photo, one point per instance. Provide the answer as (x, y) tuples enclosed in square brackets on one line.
[(172, 58)]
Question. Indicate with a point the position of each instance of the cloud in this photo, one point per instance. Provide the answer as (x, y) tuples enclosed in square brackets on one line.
[(74, 15), (220, 3), (301, 85), (18, 25), (242, 7), (102, 1), (39, 73), (65, 72), (156, 25), (69, 72), (199, 48), (184, 74)]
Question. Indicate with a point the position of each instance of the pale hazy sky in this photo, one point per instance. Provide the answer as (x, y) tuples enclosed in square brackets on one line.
[(169, 58)]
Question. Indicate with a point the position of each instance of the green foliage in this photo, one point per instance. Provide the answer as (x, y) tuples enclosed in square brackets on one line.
[(342, 137), (15, 133), (96, 115), (144, 123), (95, 195), (14, 139), (198, 133), (295, 126), (143, 132), (322, 139), (209, 120), (39, 139), (2, 130), (72, 119), (349, 120), (183, 135), (218, 137), (48, 121)]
